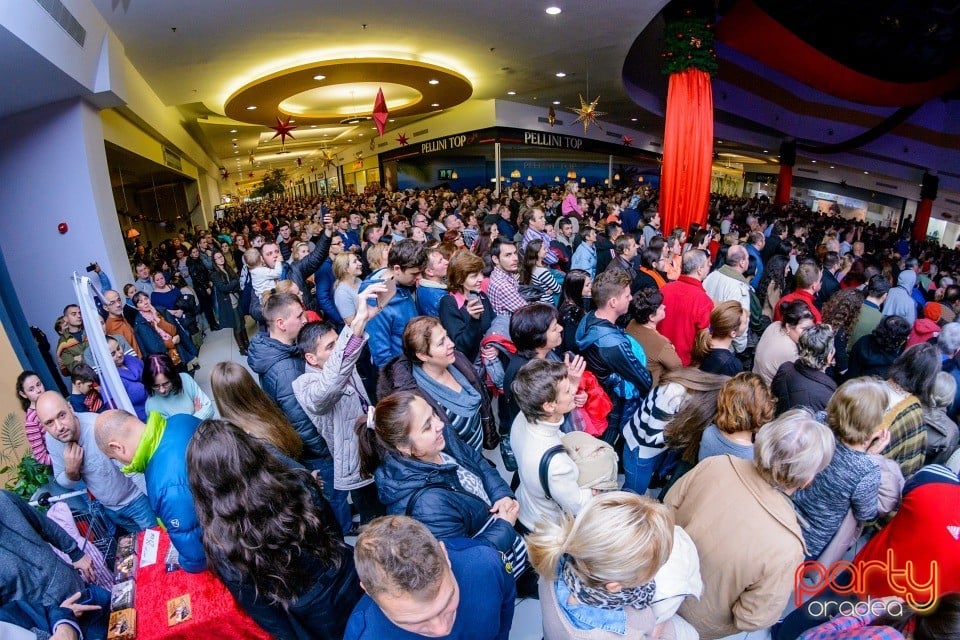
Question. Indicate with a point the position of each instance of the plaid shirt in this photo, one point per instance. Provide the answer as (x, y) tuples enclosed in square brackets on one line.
[(851, 628), (908, 437), (504, 292)]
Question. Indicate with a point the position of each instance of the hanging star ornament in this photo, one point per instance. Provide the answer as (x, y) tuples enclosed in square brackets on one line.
[(551, 116), (402, 139), (224, 174), (627, 141), (380, 112), (283, 130), (326, 159), (588, 114)]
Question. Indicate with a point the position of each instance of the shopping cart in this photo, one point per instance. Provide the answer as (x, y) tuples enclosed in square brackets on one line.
[(93, 524)]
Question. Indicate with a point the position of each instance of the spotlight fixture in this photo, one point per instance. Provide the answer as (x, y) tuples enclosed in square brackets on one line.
[(435, 104), (866, 173), (251, 107), (433, 82), (553, 11), (556, 102), (511, 93), (633, 119), (559, 74), (233, 130), (319, 77)]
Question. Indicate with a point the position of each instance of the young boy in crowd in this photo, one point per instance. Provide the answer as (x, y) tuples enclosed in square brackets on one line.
[(84, 396)]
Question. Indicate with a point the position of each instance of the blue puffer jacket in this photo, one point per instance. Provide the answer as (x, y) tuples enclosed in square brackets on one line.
[(278, 365), (168, 490), (386, 328), (446, 508), (617, 360)]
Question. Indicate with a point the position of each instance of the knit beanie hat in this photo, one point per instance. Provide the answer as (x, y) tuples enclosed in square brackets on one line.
[(595, 459), (933, 311)]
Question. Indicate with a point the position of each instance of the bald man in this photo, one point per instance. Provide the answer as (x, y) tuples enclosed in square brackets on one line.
[(728, 283), (158, 450), (73, 451)]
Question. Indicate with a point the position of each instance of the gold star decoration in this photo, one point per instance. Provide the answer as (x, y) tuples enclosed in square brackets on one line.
[(326, 159), (588, 114)]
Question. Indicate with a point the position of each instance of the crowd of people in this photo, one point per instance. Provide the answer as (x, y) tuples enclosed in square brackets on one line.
[(778, 388)]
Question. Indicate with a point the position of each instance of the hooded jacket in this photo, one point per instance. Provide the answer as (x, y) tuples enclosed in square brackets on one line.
[(278, 366), (616, 359), (900, 300), (923, 330), (446, 508), (386, 328)]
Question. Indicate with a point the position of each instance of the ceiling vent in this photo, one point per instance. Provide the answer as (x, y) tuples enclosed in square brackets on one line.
[(65, 19)]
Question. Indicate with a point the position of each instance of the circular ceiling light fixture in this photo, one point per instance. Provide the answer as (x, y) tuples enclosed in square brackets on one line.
[(553, 11), (435, 104), (556, 102), (349, 91), (252, 107), (560, 74), (511, 93), (320, 77), (233, 130)]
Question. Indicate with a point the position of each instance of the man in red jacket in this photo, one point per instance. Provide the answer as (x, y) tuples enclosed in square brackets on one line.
[(808, 284), (687, 305)]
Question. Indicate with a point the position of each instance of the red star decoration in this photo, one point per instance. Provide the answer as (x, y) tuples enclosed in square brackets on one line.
[(283, 130), (402, 139), (627, 141), (250, 175), (380, 112), (224, 174), (299, 162)]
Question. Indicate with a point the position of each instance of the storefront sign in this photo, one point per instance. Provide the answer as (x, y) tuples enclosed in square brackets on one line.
[(443, 144), (553, 140)]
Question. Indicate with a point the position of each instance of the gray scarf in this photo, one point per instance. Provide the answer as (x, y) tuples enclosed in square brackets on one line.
[(464, 404)]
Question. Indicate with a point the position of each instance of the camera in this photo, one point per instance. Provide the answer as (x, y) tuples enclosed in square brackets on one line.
[(91, 267)]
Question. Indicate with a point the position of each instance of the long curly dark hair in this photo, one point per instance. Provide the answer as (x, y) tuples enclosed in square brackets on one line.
[(257, 514), (773, 272), (842, 309)]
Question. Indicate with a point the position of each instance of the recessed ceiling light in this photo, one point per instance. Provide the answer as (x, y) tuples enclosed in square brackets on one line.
[(233, 130), (719, 141), (553, 11), (433, 82), (866, 173), (235, 151), (511, 93), (435, 104), (291, 120), (832, 167), (813, 161), (233, 140), (765, 151), (319, 77), (561, 74), (313, 126), (633, 119), (556, 102), (251, 107), (361, 135), (349, 139)]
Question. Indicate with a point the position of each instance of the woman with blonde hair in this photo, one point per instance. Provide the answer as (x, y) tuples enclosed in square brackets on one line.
[(241, 401), (346, 269), (713, 347), (602, 572)]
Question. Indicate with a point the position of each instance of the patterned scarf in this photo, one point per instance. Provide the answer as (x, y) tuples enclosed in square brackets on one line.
[(638, 597)]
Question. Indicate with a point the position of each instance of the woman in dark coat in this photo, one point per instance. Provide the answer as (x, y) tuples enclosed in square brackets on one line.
[(873, 354), (805, 383), (431, 475), (202, 286), (157, 331), (465, 312), (226, 300), (291, 571)]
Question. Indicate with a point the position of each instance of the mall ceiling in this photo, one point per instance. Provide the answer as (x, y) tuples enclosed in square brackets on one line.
[(321, 64)]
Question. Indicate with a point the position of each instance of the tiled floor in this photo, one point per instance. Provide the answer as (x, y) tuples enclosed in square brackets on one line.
[(220, 346)]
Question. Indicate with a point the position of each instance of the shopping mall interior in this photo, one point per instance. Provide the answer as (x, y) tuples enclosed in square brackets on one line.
[(125, 118)]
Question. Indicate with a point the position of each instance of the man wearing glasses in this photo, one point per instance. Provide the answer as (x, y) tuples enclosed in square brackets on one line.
[(115, 323)]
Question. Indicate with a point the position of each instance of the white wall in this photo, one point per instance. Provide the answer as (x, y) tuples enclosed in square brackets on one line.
[(53, 168)]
